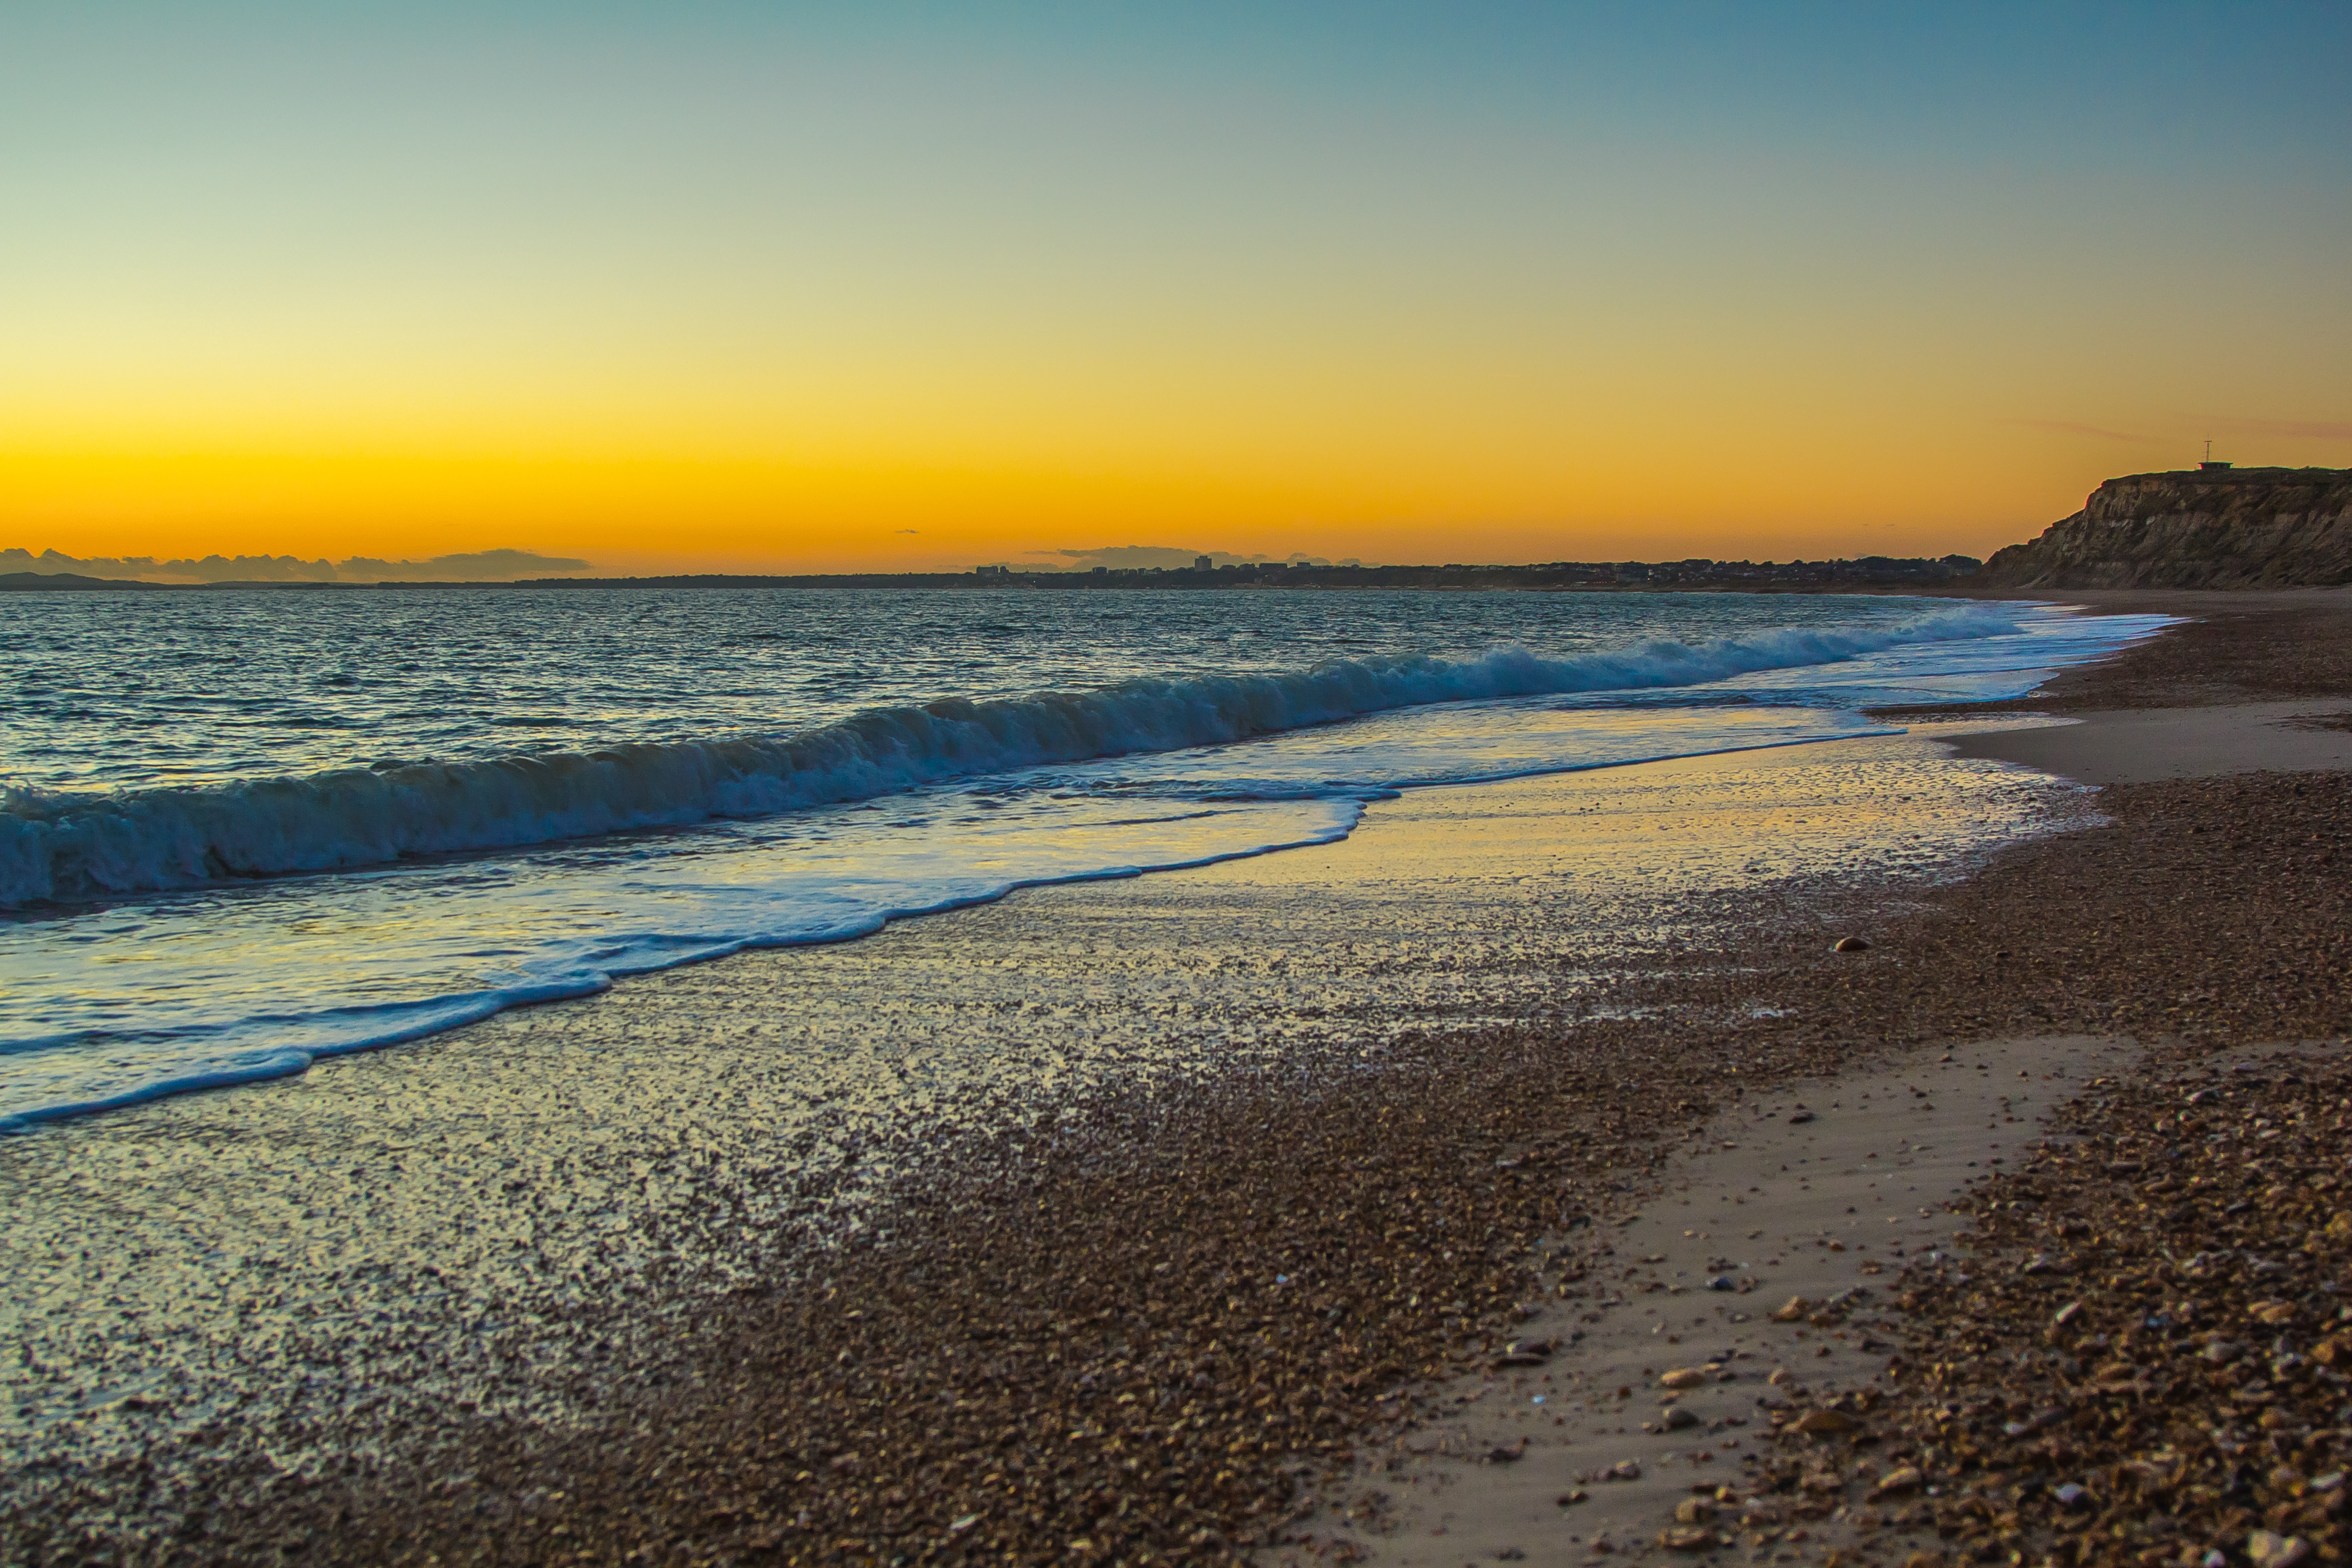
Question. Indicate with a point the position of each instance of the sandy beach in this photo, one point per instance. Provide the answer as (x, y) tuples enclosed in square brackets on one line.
[(1188, 1218)]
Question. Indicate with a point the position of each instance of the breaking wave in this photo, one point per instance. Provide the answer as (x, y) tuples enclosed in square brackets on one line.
[(61, 844)]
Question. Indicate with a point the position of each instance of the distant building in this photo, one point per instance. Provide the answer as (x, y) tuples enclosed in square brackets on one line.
[(1203, 564), (991, 571), (2211, 466)]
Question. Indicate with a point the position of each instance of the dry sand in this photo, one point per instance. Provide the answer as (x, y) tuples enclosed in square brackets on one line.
[(1817, 1193), (2142, 745)]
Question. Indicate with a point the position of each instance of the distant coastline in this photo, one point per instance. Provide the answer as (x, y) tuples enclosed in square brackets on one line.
[(2210, 527), (1561, 576)]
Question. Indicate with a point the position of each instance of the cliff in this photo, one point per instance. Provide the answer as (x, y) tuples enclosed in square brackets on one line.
[(2232, 528)]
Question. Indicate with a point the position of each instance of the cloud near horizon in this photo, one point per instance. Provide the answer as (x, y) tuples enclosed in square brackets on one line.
[(2075, 427), (2217, 425), (2292, 429), (477, 566)]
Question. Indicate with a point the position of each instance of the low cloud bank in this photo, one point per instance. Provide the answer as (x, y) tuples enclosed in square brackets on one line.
[(478, 566)]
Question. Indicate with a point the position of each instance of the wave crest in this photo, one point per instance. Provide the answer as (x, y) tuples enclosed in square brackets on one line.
[(59, 845)]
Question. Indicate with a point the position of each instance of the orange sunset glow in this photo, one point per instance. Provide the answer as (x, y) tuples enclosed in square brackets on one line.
[(741, 294)]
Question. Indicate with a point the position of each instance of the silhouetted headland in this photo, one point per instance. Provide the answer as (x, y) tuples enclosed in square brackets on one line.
[(2210, 527)]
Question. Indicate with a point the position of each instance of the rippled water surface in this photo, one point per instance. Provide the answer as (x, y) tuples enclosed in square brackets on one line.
[(241, 829), (137, 690)]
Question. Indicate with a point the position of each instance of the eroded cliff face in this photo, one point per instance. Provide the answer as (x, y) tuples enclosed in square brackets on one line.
[(2239, 528)]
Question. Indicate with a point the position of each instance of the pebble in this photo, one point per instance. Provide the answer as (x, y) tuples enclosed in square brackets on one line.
[(2264, 1550), (2202, 1204)]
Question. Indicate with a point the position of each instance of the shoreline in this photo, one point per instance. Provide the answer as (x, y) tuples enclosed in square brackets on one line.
[(1140, 1321), (95, 842), (804, 1106)]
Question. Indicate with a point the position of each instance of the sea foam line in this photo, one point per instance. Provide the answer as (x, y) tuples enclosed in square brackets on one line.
[(62, 845), (344, 1031)]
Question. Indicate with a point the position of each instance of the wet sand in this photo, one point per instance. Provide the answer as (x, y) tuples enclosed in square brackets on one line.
[(1106, 1223), (520, 1226)]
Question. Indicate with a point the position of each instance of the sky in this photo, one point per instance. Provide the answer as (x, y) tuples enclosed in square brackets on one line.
[(768, 286)]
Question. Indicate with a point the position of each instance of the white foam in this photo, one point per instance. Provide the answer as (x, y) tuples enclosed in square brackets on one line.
[(61, 844), (241, 977)]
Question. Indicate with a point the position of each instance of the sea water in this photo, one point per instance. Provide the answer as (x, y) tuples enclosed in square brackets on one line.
[(243, 829)]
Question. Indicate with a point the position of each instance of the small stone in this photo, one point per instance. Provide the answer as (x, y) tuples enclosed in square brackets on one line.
[(1924, 1560), (2071, 1495), (1824, 1423), (1896, 1482), (1849, 944), (1797, 1307), (1623, 1470), (1686, 1538), (1679, 1418), (1694, 1510), (1569, 1500), (2264, 1550), (1683, 1377), (1800, 1119)]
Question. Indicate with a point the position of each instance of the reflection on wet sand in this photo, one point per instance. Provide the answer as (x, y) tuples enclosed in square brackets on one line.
[(419, 1235)]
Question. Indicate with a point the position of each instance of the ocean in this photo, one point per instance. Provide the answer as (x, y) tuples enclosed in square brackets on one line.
[(240, 831)]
